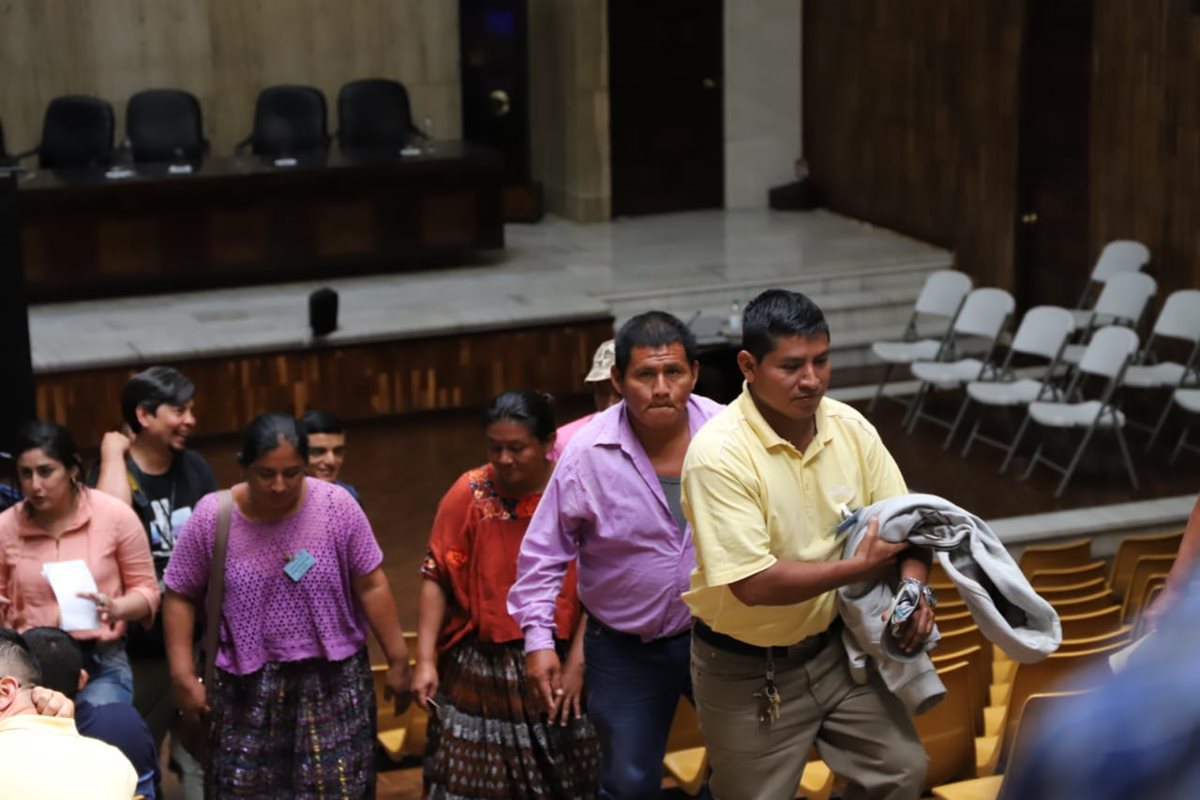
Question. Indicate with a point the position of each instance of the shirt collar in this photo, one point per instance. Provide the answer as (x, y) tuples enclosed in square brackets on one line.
[(31, 721), (770, 437), (617, 429), (83, 515)]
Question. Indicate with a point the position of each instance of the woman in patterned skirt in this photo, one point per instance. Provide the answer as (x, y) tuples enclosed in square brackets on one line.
[(488, 736), (292, 711)]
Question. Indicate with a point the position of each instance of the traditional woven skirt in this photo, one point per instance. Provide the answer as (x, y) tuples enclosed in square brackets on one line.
[(487, 740), (294, 729)]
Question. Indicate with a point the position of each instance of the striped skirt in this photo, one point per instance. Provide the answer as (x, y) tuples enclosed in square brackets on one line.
[(487, 741), (294, 729)]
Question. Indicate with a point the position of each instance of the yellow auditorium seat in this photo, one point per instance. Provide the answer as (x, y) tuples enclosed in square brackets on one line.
[(1074, 591), (1145, 569), (391, 730), (947, 730), (978, 663), (1034, 711), (1090, 623), (1134, 547), (1075, 553), (1067, 576), (1082, 669)]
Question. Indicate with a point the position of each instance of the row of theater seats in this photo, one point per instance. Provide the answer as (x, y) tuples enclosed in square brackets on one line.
[(166, 125)]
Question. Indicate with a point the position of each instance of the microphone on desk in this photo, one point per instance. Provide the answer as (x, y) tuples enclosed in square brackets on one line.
[(323, 311)]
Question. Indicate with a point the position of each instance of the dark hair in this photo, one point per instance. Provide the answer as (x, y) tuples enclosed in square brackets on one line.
[(59, 658), (52, 439), (317, 421), (10, 635), (653, 329), (778, 312), (266, 432), (17, 662), (152, 387), (534, 410)]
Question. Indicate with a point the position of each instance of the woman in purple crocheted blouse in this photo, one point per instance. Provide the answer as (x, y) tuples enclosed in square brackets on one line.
[(292, 709)]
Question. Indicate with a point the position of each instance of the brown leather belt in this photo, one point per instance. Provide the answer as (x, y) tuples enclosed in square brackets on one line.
[(805, 647)]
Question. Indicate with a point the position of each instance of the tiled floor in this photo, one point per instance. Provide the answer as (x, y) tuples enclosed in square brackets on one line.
[(553, 271)]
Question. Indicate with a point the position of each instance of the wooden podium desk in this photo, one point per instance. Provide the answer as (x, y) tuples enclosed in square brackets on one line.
[(246, 220)]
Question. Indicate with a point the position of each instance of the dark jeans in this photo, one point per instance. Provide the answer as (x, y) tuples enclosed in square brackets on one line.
[(633, 689)]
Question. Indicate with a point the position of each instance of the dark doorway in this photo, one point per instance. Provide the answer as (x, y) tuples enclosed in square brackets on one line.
[(494, 44), (1053, 259), (665, 109), (17, 399)]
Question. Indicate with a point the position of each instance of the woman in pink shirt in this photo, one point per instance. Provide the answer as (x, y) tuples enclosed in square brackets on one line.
[(60, 519)]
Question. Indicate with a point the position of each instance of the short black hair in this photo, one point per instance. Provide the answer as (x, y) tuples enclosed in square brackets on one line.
[(17, 662), (10, 635), (653, 329), (59, 657), (534, 410), (152, 387), (778, 312), (268, 431), (317, 421)]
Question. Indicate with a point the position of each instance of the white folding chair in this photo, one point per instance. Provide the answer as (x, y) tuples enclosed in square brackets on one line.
[(1123, 301), (1117, 257), (983, 315), (1043, 333), (1189, 401), (1179, 319), (941, 296), (1107, 356)]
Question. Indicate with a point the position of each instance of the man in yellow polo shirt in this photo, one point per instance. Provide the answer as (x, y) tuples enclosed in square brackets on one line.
[(45, 757), (765, 484)]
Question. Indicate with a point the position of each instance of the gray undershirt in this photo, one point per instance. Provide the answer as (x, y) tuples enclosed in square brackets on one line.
[(670, 487)]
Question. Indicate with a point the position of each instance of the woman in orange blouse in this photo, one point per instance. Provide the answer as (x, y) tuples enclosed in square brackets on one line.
[(484, 719), (62, 520)]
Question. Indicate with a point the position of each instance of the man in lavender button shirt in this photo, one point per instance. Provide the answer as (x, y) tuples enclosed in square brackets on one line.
[(613, 502)]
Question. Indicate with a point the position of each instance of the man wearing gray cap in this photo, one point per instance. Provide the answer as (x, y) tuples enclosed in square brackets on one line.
[(605, 394)]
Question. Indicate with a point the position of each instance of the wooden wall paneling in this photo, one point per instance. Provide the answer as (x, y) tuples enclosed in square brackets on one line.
[(910, 120), (1145, 129), (355, 381)]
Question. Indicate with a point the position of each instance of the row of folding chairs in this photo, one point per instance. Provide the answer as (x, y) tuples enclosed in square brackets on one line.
[(945, 291), (1054, 400), (166, 125)]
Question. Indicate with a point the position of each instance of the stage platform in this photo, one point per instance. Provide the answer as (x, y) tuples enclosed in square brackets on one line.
[(554, 272)]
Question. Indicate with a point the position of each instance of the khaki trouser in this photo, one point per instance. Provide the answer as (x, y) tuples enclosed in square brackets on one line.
[(862, 732)]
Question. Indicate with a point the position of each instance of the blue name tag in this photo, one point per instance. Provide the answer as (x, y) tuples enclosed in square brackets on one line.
[(848, 522), (300, 564)]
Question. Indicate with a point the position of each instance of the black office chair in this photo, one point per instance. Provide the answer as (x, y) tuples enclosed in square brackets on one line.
[(373, 114), (288, 121), (5, 160), (165, 125), (77, 131)]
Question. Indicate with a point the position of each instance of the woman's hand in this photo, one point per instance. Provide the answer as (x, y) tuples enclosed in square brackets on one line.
[(571, 705), (190, 696), (425, 682), (127, 608), (398, 686)]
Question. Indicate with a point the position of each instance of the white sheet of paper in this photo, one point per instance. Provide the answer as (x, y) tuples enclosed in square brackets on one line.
[(68, 579)]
